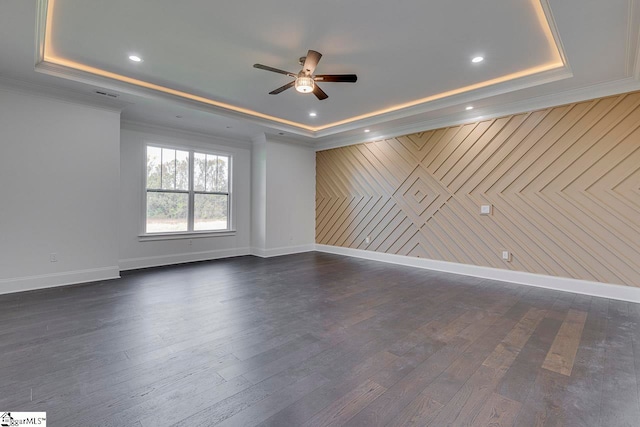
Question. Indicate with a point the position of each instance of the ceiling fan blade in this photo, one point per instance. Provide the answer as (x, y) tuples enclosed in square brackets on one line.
[(311, 62), (275, 70), (282, 88), (346, 78), (319, 93)]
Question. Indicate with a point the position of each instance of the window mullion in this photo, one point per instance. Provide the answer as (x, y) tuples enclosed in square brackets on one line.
[(160, 190), (216, 181), (161, 164), (190, 212), (206, 162), (218, 193)]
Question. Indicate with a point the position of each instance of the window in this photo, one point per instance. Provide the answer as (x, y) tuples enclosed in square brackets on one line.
[(186, 191)]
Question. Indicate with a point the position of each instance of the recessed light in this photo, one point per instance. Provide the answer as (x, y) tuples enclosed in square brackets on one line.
[(477, 59), (312, 114), (135, 58), (280, 133), (178, 117), (470, 107), (367, 130)]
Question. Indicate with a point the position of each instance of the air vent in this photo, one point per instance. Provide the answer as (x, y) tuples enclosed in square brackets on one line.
[(111, 95)]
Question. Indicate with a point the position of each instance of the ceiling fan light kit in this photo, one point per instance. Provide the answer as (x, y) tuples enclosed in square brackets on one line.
[(305, 81), (304, 84)]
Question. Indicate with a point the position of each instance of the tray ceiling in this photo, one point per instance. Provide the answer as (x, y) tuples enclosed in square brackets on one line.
[(413, 59)]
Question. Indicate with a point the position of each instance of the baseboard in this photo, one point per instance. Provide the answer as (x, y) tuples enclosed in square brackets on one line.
[(585, 287), (30, 283), (286, 250), (162, 260)]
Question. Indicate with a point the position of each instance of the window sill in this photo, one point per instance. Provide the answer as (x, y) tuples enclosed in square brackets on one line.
[(188, 235)]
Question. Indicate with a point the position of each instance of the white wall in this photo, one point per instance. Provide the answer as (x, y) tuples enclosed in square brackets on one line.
[(71, 183), (259, 194), (291, 195), (59, 180), (289, 202), (137, 254)]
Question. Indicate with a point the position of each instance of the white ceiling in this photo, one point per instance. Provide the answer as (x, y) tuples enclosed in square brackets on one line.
[(412, 59)]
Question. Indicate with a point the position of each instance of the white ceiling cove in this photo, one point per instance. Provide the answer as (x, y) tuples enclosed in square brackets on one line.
[(412, 58)]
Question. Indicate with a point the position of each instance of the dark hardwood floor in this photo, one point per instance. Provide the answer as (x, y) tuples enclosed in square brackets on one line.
[(317, 340)]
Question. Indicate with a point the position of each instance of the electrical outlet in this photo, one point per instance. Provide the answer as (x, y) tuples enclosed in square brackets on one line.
[(190, 242), (367, 240), (485, 210), (53, 257), (506, 255)]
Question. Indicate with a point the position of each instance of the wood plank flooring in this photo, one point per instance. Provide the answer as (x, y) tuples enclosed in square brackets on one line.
[(317, 340)]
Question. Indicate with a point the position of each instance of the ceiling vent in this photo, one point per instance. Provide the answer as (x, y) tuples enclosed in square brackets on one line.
[(103, 93)]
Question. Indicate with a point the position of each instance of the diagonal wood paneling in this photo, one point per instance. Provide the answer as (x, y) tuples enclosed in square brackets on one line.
[(564, 183)]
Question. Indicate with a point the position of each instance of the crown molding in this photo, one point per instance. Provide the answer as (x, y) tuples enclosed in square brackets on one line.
[(40, 30), (291, 141), (264, 138), (63, 95), (207, 138), (449, 101), (633, 40), (59, 67), (84, 77), (467, 97), (553, 27), (406, 113), (601, 90)]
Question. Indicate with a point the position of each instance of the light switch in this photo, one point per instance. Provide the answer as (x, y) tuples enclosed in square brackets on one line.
[(485, 210)]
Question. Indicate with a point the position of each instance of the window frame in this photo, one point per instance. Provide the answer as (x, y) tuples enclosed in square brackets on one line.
[(190, 233)]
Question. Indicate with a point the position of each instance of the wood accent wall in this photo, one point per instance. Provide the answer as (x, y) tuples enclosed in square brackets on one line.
[(564, 183)]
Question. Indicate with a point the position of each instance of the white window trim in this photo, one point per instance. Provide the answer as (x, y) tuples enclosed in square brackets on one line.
[(184, 235), (143, 236)]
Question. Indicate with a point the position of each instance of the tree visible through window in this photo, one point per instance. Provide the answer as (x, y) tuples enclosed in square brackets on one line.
[(186, 191)]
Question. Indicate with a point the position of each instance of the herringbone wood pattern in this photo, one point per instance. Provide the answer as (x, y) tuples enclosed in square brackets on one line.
[(564, 183)]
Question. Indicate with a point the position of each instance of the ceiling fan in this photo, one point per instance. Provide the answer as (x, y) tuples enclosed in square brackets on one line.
[(305, 81)]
